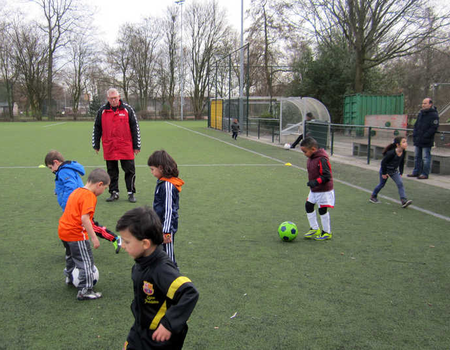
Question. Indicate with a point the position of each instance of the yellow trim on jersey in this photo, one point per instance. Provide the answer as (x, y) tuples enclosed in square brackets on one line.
[(158, 317), (175, 285)]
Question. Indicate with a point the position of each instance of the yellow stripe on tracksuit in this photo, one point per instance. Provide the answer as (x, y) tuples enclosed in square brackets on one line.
[(170, 294)]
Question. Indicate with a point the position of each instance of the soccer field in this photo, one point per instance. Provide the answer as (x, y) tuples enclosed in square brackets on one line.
[(382, 282)]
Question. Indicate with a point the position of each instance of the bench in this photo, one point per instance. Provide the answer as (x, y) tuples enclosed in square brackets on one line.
[(361, 150)]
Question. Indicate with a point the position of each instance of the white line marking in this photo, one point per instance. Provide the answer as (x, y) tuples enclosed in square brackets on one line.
[(146, 166), (46, 126), (425, 211)]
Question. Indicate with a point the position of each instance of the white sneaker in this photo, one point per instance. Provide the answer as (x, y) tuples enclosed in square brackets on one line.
[(88, 294)]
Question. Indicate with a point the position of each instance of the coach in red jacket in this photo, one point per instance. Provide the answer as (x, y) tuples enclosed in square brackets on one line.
[(116, 124)]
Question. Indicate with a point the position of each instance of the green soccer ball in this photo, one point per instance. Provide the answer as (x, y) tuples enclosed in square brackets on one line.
[(287, 231)]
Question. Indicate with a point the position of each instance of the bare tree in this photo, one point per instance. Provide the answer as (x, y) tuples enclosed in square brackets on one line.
[(376, 30), (265, 34), (31, 57), (8, 71), (119, 57), (168, 59), (60, 20), (82, 55), (206, 29), (144, 39)]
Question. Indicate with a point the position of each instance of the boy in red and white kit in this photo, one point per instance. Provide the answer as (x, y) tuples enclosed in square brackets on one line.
[(321, 189)]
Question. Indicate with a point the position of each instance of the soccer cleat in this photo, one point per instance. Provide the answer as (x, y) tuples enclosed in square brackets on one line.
[(406, 202), (312, 233), (69, 281), (374, 199), (114, 197), (323, 236), (88, 294), (117, 244), (131, 198)]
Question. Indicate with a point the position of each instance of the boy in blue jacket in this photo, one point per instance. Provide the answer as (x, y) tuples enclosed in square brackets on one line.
[(67, 179)]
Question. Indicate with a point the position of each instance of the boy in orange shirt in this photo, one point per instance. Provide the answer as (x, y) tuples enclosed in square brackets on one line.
[(75, 228)]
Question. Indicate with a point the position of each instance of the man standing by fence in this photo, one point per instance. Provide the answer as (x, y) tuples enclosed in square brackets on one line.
[(117, 126), (426, 126)]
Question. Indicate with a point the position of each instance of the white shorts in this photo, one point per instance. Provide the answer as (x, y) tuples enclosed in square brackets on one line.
[(322, 199)]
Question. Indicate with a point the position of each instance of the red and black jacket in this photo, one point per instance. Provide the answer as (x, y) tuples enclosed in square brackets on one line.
[(119, 131), (319, 169)]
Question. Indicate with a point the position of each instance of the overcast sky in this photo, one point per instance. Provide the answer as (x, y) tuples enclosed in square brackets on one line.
[(112, 14)]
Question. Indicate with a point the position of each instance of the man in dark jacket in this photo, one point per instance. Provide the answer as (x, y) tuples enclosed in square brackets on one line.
[(117, 126), (423, 136)]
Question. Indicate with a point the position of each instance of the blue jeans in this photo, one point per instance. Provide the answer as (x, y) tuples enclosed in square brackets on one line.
[(398, 181), (422, 161)]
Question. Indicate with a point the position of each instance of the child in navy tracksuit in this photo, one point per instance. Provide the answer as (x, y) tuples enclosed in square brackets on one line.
[(392, 167), (67, 179), (166, 200)]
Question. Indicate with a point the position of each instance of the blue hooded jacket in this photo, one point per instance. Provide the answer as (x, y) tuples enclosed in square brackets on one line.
[(68, 179)]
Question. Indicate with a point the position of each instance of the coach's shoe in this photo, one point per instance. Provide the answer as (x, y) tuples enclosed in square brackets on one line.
[(131, 198), (312, 233), (117, 244), (406, 202), (422, 177), (374, 199), (412, 175), (323, 236), (88, 294), (114, 196)]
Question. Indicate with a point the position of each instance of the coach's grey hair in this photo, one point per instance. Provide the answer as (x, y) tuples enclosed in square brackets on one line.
[(110, 91)]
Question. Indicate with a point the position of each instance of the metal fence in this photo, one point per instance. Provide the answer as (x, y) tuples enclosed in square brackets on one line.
[(364, 142)]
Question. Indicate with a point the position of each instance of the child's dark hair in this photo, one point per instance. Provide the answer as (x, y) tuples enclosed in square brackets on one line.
[(309, 142), (52, 156), (99, 175), (163, 159), (397, 141), (143, 223)]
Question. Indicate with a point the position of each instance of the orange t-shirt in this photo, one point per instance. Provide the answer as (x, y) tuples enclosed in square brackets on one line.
[(81, 201)]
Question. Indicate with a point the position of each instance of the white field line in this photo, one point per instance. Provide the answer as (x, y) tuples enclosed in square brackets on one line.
[(146, 166), (425, 211), (46, 126)]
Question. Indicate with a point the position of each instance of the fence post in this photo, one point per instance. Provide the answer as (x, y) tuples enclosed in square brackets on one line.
[(332, 140), (368, 144), (259, 122)]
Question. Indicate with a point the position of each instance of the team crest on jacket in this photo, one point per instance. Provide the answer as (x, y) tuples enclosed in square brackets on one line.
[(148, 288)]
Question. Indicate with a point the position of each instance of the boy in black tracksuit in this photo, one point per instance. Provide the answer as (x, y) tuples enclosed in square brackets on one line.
[(163, 299)]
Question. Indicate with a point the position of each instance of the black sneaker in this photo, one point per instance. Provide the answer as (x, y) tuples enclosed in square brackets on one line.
[(114, 197), (374, 199), (131, 198), (88, 294), (406, 202)]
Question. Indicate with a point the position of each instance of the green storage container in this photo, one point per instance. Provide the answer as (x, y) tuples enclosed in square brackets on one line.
[(356, 107)]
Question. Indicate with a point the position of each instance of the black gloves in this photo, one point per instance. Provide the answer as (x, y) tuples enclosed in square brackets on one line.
[(312, 183)]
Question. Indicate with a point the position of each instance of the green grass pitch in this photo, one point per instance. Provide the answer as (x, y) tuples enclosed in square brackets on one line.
[(382, 282)]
